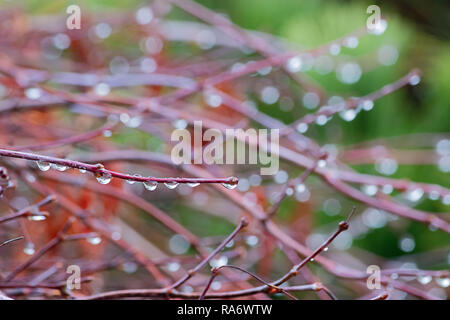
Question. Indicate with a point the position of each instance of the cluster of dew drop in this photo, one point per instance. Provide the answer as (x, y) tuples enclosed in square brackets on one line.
[(414, 194), (104, 177)]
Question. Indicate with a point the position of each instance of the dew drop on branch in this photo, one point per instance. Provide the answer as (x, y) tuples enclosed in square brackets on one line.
[(94, 240), (29, 248), (151, 185), (173, 266), (334, 49), (59, 167), (414, 80), (104, 177), (443, 282), (218, 262), (33, 93), (232, 183), (294, 64), (37, 217), (321, 120), (424, 279), (193, 184), (171, 184), (302, 127), (370, 190), (102, 89), (43, 166)]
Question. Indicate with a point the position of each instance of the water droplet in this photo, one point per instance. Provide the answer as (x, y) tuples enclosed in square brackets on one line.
[(321, 120), (270, 95), (216, 285), (443, 282), (119, 65), (446, 200), (311, 100), (407, 244), (386, 166), (144, 15), (232, 183), (294, 64), (82, 170), (133, 181), (61, 41), (43, 166), (349, 72), (300, 188), (148, 65), (129, 267), (124, 118), (281, 177), (218, 262), (351, 42), (424, 279), (178, 244), (303, 196), (265, 71), (379, 28), (94, 240), (213, 100), (387, 55), (102, 30), (102, 89), (171, 184), (332, 207), (134, 122), (116, 235), (29, 248), (153, 45), (370, 190), (367, 105), (312, 259), (414, 195), (193, 184), (321, 163), (325, 249), (374, 218), (387, 189), (289, 191), (103, 177), (59, 167), (255, 179), (323, 64), (173, 266), (414, 80), (37, 217), (252, 240), (28, 176), (180, 124), (107, 133), (205, 39), (334, 49), (348, 115), (302, 127), (433, 195), (443, 147), (33, 93), (151, 185)]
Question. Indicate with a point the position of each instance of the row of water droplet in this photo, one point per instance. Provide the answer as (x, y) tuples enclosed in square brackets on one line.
[(105, 178)]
